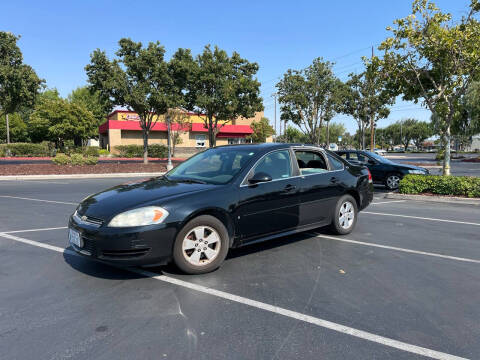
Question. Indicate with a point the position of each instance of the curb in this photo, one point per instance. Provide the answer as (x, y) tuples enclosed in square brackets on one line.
[(435, 198), (77, 176)]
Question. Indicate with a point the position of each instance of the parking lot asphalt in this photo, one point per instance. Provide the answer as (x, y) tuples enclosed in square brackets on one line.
[(405, 284)]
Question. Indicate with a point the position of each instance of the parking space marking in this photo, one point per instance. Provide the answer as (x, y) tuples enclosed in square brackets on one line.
[(418, 252), (422, 218), (268, 307), (31, 199), (30, 230), (387, 202)]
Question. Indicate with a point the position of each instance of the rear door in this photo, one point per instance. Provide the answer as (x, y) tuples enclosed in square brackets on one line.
[(270, 207), (319, 187)]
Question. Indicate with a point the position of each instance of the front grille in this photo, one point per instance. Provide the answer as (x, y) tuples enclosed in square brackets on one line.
[(88, 220), (124, 254)]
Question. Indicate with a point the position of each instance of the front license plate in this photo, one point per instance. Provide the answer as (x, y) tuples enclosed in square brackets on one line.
[(74, 238)]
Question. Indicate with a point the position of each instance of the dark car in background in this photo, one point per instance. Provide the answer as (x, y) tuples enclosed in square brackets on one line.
[(221, 198), (383, 171)]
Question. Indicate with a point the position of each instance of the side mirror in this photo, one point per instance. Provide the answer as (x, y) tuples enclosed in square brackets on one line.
[(259, 178)]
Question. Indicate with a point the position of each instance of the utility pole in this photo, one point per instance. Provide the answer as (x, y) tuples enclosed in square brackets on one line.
[(372, 123), (275, 113)]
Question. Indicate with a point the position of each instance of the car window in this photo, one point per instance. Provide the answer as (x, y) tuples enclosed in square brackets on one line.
[(335, 164), (276, 164), (343, 155), (311, 162), (357, 157)]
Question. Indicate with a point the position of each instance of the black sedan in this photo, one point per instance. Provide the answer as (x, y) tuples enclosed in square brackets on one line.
[(383, 171), (221, 198)]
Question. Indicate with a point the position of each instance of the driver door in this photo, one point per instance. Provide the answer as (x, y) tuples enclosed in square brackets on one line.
[(269, 207)]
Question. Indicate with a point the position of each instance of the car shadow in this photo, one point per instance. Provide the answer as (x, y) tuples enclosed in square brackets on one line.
[(107, 271)]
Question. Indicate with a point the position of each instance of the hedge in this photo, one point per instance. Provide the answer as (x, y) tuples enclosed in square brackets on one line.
[(131, 151), (441, 185), (27, 149), (74, 159)]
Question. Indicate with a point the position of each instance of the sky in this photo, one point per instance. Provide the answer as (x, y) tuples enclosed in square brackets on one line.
[(57, 37)]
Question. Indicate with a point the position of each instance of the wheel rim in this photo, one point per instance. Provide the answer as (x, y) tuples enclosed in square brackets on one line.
[(201, 245), (346, 215), (392, 181)]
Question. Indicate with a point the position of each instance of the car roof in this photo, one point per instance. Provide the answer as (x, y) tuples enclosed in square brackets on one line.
[(269, 146)]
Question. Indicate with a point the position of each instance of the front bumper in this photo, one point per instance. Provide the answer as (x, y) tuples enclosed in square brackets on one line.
[(138, 246)]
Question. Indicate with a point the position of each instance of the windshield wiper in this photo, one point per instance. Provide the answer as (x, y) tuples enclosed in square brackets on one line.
[(191, 181)]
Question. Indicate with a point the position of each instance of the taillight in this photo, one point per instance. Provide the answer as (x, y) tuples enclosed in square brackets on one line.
[(369, 176)]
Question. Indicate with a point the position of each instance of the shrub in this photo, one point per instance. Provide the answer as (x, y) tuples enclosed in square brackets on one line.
[(103, 152), (91, 160), (77, 159), (61, 159), (2, 151), (130, 151), (157, 151), (28, 149), (441, 185), (91, 151)]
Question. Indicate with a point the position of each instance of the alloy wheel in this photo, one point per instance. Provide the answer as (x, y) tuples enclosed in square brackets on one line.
[(201, 245), (346, 215), (393, 181)]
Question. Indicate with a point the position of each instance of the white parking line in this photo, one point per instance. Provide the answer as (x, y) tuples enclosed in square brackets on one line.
[(268, 307), (48, 201), (30, 230), (422, 218), (397, 248), (387, 202)]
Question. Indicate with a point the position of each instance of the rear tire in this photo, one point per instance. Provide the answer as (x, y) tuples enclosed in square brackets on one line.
[(345, 215), (201, 246)]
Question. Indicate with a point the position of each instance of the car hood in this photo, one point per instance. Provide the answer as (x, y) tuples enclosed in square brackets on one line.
[(410, 167), (107, 203)]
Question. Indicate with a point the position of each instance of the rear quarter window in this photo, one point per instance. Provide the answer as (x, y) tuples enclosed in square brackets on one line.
[(335, 164)]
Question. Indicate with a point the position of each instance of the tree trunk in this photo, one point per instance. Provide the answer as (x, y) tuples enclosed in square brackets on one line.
[(446, 159), (211, 132), (328, 135), (363, 138), (145, 147), (169, 143), (372, 131), (8, 129)]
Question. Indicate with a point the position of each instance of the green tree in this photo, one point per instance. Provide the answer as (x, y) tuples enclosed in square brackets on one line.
[(92, 101), (136, 79), (333, 131), (223, 88), (309, 97), (19, 84), (367, 100), (431, 58), (292, 135), (420, 131), (58, 120), (18, 128), (261, 130)]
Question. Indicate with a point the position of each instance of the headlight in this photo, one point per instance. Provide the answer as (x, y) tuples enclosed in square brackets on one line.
[(418, 172), (148, 215)]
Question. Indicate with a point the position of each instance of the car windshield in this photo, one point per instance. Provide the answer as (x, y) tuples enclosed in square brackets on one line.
[(214, 166), (379, 158)]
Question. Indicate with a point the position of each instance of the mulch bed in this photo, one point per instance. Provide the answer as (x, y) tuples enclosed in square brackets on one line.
[(49, 169), (473, 160)]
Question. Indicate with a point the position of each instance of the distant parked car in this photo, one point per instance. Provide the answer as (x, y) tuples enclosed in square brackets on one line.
[(383, 171), (380, 152), (333, 147)]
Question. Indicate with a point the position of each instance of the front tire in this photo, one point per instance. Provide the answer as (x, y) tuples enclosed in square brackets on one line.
[(201, 246), (392, 181), (345, 215)]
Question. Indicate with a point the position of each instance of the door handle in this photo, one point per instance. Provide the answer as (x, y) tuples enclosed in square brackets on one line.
[(290, 187), (333, 180)]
